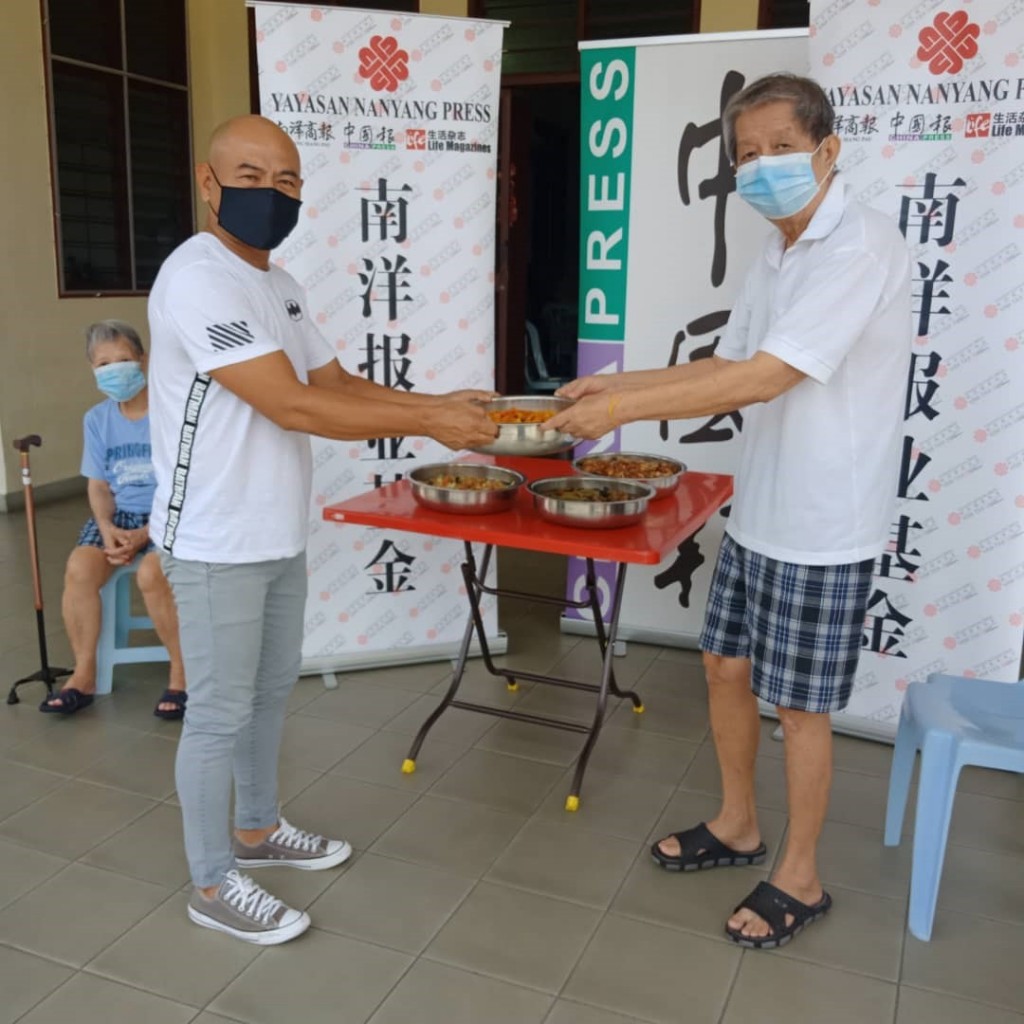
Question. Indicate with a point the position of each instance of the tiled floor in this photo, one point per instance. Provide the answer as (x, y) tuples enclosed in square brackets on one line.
[(473, 898)]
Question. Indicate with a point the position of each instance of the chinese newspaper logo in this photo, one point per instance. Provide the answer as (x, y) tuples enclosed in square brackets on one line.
[(383, 63), (948, 42), (979, 126)]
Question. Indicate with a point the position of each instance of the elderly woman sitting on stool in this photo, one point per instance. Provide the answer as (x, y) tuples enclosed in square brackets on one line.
[(117, 462)]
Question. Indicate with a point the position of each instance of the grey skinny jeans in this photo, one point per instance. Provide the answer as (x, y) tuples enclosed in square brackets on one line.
[(241, 642)]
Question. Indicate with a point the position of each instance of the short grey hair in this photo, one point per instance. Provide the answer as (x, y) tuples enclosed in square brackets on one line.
[(111, 330), (811, 107)]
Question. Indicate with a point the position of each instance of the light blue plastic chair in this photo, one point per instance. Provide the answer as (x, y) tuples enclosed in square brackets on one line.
[(953, 721), (118, 623)]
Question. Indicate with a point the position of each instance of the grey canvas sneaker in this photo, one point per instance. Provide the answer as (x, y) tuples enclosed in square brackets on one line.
[(291, 847), (243, 909)]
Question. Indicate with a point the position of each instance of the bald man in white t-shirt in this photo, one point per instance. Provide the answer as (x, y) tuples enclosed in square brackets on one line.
[(816, 353), (239, 379)]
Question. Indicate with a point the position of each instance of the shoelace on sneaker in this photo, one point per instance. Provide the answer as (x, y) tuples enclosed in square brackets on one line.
[(242, 893), (295, 839)]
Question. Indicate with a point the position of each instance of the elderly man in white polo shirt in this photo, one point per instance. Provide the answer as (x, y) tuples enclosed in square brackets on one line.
[(817, 351)]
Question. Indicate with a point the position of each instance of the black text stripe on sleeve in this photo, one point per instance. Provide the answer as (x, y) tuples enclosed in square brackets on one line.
[(189, 423), (233, 335)]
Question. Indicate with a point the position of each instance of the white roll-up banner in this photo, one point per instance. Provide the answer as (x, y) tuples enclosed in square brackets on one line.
[(395, 117), (929, 104)]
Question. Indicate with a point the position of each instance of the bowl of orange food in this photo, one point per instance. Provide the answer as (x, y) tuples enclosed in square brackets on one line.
[(659, 472), (520, 420), (465, 488)]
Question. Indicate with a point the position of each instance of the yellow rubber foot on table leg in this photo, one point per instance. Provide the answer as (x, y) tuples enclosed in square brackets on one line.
[(513, 687), (408, 766), (638, 709), (572, 803)]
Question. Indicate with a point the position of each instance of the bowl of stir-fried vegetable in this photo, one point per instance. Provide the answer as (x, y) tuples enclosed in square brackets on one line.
[(657, 471), (520, 420), (465, 488), (593, 502)]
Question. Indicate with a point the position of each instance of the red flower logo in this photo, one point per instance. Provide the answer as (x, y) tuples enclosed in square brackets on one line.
[(383, 63), (948, 42)]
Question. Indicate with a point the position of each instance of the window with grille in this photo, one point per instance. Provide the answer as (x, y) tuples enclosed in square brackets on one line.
[(542, 35), (119, 139)]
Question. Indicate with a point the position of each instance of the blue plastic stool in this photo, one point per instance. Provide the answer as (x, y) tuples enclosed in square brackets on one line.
[(954, 722), (118, 622)]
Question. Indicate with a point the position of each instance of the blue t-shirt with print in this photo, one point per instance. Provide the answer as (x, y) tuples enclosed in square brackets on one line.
[(117, 450)]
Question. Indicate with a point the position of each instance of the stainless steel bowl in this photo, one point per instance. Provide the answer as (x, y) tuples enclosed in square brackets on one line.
[(598, 515), (527, 438), (662, 486), (457, 500)]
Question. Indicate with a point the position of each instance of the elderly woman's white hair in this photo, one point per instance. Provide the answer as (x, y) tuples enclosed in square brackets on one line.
[(111, 330)]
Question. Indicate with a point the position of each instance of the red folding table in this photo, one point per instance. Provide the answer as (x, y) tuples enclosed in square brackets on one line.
[(668, 522)]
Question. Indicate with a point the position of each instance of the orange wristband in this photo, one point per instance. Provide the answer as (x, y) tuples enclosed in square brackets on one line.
[(613, 401)]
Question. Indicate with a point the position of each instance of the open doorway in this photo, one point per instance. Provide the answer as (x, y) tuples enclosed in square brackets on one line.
[(539, 262)]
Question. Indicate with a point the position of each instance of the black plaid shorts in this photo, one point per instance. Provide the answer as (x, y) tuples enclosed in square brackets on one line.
[(800, 625), (90, 533)]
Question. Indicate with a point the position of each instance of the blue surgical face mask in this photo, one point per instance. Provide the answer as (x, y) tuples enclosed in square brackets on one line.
[(779, 186), (120, 381)]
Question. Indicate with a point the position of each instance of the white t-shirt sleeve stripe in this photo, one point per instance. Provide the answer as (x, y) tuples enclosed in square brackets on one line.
[(214, 318)]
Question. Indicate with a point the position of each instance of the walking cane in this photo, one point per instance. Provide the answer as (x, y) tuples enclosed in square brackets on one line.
[(46, 673)]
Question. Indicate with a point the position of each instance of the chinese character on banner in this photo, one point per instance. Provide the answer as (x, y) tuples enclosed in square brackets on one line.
[(922, 386), (386, 214), (378, 480), (884, 627), (387, 361), (930, 215), (388, 449), (688, 560), (929, 278), (392, 274), (723, 182), (709, 324), (895, 563), (912, 465), (390, 569)]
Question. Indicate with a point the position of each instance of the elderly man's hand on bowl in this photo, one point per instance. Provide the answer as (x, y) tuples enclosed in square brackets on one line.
[(589, 418)]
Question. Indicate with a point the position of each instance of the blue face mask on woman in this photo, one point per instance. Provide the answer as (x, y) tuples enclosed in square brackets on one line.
[(779, 186), (120, 381)]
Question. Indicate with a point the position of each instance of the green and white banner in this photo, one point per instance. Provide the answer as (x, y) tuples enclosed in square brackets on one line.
[(664, 246)]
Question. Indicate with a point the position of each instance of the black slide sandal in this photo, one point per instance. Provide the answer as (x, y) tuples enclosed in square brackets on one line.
[(700, 848), (176, 697), (771, 904), (71, 702)]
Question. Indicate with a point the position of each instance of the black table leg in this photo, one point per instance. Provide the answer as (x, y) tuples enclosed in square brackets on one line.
[(473, 623), (572, 801), (476, 586)]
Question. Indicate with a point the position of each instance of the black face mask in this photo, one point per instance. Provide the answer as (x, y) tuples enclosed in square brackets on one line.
[(260, 217)]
